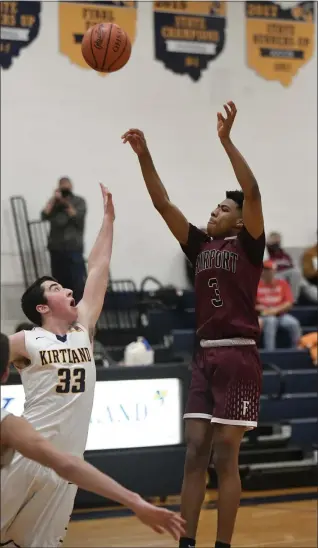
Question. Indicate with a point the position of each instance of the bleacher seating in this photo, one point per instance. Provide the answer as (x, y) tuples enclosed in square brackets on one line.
[(288, 429)]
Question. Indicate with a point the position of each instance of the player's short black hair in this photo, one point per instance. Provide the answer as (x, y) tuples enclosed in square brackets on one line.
[(33, 296), (4, 353), (237, 196)]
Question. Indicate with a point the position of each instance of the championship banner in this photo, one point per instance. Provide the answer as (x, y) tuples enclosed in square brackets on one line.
[(20, 23), (280, 40), (75, 18), (189, 34)]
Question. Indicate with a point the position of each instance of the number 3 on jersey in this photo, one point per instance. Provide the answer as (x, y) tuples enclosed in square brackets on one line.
[(217, 299), (71, 380)]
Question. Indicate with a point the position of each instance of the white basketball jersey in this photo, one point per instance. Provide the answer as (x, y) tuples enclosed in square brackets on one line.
[(59, 386), (6, 453)]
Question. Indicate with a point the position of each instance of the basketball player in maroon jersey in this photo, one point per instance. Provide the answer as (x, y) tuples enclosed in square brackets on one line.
[(226, 371)]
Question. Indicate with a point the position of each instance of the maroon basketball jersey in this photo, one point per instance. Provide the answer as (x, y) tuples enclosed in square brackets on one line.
[(227, 273)]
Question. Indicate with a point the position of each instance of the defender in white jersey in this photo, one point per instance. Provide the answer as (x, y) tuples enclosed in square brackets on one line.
[(18, 434), (58, 374)]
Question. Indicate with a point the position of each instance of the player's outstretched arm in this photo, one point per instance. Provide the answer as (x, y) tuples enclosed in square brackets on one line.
[(252, 208), (175, 220), (18, 434), (92, 302)]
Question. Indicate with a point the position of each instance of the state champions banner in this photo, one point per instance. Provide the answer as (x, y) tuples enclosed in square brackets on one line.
[(75, 18), (280, 39), (188, 35), (20, 25)]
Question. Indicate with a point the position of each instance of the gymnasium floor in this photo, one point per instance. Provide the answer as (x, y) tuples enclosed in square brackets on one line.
[(272, 518)]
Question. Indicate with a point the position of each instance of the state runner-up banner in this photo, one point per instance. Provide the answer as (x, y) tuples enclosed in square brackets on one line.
[(188, 35), (75, 18), (20, 25), (280, 38)]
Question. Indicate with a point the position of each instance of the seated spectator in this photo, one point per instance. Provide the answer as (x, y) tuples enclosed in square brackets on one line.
[(286, 270), (274, 300), (310, 265)]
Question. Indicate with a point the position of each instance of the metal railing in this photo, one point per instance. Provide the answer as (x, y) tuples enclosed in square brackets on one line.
[(32, 242)]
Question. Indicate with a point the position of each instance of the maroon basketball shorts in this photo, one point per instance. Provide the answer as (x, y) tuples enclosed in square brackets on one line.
[(226, 386)]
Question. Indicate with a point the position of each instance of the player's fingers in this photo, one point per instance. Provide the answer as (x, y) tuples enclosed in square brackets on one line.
[(179, 520), (136, 131), (232, 107), (158, 529), (227, 110), (220, 117), (173, 530)]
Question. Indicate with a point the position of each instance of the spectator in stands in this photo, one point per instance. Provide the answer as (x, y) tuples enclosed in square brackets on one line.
[(274, 300), (310, 265), (66, 213), (286, 270)]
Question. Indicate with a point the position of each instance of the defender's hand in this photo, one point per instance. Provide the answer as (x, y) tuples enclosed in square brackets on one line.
[(108, 201), (224, 125), (160, 519), (136, 139)]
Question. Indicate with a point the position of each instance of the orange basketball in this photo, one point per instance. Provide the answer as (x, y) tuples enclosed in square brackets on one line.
[(106, 47)]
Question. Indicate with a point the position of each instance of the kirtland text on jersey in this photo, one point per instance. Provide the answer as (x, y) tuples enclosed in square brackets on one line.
[(214, 258), (65, 356)]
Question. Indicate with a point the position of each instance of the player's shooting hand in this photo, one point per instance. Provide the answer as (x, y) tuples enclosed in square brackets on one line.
[(57, 195), (108, 202), (160, 519), (136, 139), (224, 124)]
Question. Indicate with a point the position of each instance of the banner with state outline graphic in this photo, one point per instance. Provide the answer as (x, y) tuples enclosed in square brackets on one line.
[(20, 25), (188, 35), (280, 38), (75, 18)]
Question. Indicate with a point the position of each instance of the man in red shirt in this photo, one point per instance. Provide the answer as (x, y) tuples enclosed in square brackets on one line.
[(274, 300)]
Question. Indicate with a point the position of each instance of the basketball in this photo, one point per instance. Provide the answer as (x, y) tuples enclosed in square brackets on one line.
[(106, 47)]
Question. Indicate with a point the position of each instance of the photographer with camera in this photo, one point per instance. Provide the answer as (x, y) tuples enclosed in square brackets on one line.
[(66, 214)]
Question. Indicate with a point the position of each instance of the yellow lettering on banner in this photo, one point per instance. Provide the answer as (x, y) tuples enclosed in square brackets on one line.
[(190, 22), (208, 9), (5, 48), (259, 10), (166, 6), (8, 20), (9, 8), (192, 61), (27, 20)]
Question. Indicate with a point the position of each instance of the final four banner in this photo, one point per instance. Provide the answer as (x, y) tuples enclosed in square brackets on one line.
[(75, 18), (189, 34), (280, 38), (20, 24)]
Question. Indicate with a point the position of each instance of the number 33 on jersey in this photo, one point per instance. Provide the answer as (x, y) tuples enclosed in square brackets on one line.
[(60, 382)]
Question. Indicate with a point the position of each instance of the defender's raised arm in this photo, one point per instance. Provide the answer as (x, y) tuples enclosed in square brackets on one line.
[(91, 305)]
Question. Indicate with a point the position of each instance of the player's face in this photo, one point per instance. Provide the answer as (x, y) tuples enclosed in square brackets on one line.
[(225, 220), (60, 301)]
